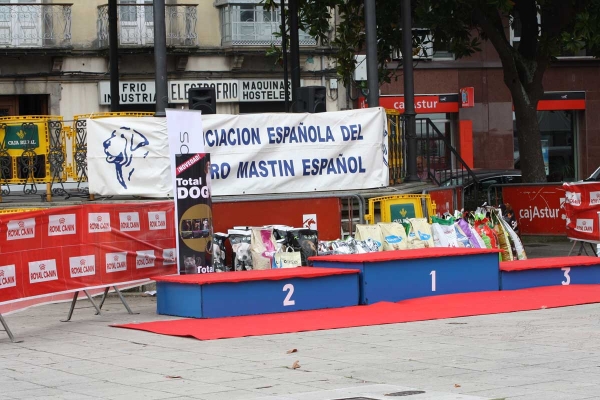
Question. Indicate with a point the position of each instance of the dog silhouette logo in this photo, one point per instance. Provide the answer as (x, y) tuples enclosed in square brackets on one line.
[(120, 148)]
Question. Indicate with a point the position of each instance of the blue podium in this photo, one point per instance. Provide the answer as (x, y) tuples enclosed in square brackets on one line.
[(256, 292), (407, 274), (537, 272)]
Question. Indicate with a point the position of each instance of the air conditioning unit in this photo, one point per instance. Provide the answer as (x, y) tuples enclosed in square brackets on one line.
[(424, 52)]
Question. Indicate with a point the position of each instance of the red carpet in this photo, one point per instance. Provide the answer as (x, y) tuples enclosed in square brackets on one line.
[(254, 275), (553, 262), (411, 254), (428, 308)]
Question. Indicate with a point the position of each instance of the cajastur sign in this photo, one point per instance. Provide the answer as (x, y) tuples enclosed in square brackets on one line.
[(540, 209), (424, 104)]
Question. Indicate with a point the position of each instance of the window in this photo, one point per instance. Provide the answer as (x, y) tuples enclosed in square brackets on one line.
[(136, 18), (20, 23), (246, 23)]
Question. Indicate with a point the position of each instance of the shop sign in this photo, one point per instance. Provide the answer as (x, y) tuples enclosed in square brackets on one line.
[(18, 138), (226, 91), (540, 209), (134, 92), (264, 90), (424, 104)]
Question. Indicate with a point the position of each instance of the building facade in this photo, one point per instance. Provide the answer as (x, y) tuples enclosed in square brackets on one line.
[(568, 114), (55, 57)]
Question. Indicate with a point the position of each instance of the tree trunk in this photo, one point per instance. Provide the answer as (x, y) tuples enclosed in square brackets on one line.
[(530, 139)]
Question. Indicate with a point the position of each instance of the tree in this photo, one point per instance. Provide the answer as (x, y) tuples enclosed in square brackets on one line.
[(548, 27)]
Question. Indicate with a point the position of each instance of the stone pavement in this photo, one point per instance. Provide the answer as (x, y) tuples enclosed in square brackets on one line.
[(545, 354)]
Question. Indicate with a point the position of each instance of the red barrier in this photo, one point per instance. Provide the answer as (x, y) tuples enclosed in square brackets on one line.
[(444, 201), (539, 208), (66, 249), (290, 212), (582, 206)]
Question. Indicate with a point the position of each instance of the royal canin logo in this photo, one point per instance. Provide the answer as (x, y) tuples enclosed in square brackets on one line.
[(99, 218), (1, 273), (116, 258), (61, 221), (82, 261), (21, 224), (129, 218), (42, 267)]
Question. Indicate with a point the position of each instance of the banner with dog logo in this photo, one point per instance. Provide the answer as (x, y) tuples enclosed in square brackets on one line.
[(194, 213), (250, 154), (128, 156)]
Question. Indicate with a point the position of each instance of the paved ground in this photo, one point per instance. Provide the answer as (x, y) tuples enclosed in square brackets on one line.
[(545, 354)]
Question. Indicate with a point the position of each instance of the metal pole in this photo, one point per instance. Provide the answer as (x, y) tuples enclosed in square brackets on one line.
[(160, 57), (410, 124), (113, 55), (372, 64), (294, 51), (285, 56)]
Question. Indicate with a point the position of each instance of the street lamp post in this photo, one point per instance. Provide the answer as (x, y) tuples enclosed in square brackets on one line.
[(372, 64), (113, 55), (410, 124), (160, 58)]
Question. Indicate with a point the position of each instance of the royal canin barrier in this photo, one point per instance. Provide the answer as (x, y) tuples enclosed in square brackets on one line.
[(67, 249)]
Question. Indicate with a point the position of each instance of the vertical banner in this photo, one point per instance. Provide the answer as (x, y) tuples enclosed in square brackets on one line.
[(194, 213), (186, 136)]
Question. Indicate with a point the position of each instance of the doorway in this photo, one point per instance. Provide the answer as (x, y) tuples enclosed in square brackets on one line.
[(25, 104)]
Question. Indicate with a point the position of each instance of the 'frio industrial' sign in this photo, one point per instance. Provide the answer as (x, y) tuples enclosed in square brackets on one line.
[(227, 91)]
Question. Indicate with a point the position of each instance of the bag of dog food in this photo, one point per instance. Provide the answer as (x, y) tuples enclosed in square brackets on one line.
[(394, 236), (218, 252), (324, 248), (306, 241), (444, 234), (240, 244), (262, 248), (343, 246), (420, 235), (516, 243), (470, 233), (373, 232)]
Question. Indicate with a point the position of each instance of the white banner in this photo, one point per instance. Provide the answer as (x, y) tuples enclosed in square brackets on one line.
[(287, 153), (251, 154), (128, 156)]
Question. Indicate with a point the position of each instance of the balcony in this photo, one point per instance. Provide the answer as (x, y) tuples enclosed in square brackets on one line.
[(136, 25), (35, 25), (252, 25)]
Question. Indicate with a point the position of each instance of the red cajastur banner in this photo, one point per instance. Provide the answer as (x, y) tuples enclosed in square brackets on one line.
[(60, 250), (540, 209), (582, 205)]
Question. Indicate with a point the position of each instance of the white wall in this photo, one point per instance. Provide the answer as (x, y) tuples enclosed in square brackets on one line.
[(79, 98)]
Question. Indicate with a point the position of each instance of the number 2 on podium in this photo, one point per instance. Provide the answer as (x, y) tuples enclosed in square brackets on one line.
[(432, 273), (288, 299)]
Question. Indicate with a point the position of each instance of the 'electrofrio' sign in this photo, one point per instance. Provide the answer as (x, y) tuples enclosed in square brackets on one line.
[(226, 91)]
